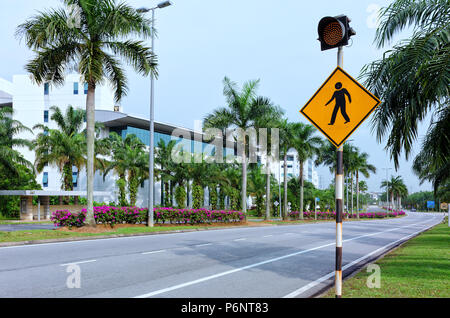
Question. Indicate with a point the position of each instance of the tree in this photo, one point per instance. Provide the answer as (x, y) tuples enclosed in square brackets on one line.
[(307, 145), (412, 80), (130, 163), (243, 111), (10, 158), (269, 121), (362, 166), (256, 187), (163, 158), (92, 46), (286, 143), (396, 188), (64, 147)]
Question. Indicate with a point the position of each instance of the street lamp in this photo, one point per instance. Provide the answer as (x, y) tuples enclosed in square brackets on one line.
[(387, 186), (150, 221)]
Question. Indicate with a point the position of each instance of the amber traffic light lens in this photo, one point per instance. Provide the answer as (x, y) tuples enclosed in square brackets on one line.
[(333, 33)]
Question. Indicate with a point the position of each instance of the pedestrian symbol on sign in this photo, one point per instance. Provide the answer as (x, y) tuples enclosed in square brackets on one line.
[(339, 96)]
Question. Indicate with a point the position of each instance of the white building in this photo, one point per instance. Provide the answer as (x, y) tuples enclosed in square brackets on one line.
[(31, 104), (293, 169)]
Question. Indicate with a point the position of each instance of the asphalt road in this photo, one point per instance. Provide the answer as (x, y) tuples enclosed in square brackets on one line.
[(25, 227), (257, 262)]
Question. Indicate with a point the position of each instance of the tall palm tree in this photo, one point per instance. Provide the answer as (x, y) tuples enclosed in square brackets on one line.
[(362, 166), (163, 158), (269, 121), (396, 187), (92, 46), (244, 109), (413, 78), (286, 143), (307, 146), (64, 147), (9, 128)]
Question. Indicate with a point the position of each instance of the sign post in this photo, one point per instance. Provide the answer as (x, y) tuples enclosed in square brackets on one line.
[(352, 105)]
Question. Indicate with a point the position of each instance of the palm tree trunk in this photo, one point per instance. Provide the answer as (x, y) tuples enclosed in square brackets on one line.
[(357, 194), (285, 188), (351, 182), (267, 195), (301, 190), (90, 137), (244, 182)]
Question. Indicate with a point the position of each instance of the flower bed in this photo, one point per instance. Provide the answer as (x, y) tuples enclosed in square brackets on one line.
[(330, 215), (133, 215)]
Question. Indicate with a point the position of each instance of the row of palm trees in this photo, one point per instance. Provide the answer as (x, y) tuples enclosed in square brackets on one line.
[(396, 189)]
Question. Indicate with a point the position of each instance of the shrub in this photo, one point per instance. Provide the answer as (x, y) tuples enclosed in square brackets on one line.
[(132, 215)]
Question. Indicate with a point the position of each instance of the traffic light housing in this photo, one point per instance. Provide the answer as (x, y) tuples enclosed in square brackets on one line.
[(334, 32)]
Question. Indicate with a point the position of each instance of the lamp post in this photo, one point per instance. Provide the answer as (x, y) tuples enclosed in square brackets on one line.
[(150, 221)]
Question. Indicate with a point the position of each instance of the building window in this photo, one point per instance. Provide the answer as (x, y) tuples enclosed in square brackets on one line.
[(46, 88), (46, 131), (142, 184), (75, 179), (45, 180), (45, 116), (86, 86), (75, 88), (290, 158)]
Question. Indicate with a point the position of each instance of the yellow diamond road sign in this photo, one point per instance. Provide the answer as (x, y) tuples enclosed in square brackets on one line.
[(339, 107)]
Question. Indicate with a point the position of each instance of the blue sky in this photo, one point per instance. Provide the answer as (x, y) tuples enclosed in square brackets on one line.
[(201, 41)]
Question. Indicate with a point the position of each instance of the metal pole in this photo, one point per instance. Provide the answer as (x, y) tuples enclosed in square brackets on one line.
[(339, 197), (279, 188), (150, 222)]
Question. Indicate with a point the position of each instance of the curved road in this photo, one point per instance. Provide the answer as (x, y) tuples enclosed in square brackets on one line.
[(257, 262)]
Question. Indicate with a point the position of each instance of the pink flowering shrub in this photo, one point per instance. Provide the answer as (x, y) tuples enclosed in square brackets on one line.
[(133, 215)]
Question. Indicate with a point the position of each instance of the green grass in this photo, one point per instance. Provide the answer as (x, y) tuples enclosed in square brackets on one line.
[(420, 268)]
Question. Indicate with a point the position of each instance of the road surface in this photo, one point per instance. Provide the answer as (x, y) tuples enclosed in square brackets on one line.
[(256, 262)]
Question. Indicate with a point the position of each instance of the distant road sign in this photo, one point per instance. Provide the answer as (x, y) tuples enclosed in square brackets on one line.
[(430, 205), (339, 107)]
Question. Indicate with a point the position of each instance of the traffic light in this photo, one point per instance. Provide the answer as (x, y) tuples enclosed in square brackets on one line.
[(334, 32)]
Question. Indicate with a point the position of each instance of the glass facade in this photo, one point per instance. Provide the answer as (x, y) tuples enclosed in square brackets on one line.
[(45, 116), (45, 180), (75, 88), (187, 145), (86, 86), (46, 88)]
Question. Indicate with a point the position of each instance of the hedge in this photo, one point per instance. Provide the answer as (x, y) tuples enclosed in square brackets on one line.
[(132, 215)]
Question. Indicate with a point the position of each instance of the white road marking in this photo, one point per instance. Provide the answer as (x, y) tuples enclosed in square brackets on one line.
[(175, 287), (268, 236), (207, 244), (330, 275), (240, 239), (78, 263), (153, 252)]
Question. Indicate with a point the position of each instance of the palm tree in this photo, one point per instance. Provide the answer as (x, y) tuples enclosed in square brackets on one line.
[(430, 164), (256, 185), (93, 47), (243, 111), (163, 157), (9, 128), (361, 166), (413, 78), (130, 163), (396, 187), (269, 121), (64, 147), (286, 143), (307, 145)]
